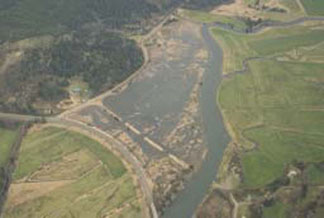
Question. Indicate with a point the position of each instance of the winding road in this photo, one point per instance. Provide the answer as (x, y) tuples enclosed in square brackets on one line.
[(63, 120), (216, 135), (116, 145)]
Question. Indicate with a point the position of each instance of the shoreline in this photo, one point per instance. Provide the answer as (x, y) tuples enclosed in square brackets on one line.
[(216, 136), (232, 149)]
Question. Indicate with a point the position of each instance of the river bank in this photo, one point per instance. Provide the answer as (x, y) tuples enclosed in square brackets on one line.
[(215, 135), (240, 190)]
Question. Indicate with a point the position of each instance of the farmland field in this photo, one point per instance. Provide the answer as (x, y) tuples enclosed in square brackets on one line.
[(277, 210), (204, 17), (238, 47), (286, 118), (274, 109), (314, 7), (69, 175), (7, 138)]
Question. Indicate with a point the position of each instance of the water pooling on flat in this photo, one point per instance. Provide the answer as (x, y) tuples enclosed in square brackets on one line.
[(159, 96), (156, 99)]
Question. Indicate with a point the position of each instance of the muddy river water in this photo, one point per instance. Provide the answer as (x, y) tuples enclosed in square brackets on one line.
[(158, 98), (172, 103), (215, 135)]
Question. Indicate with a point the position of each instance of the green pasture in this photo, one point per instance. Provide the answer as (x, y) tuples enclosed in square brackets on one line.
[(94, 182), (7, 138), (206, 17), (276, 106), (314, 7), (52, 144)]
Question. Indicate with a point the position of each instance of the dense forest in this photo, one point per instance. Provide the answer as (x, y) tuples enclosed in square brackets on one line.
[(26, 18), (101, 59)]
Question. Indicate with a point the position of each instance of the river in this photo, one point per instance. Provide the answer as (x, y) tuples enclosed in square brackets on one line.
[(216, 136)]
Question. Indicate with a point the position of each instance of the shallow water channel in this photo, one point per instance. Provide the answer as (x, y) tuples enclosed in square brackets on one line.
[(216, 136)]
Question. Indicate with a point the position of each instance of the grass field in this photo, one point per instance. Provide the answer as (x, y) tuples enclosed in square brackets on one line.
[(277, 105), (69, 175), (237, 47), (205, 17), (314, 7), (293, 11), (315, 174), (271, 97), (275, 109), (7, 138), (278, 210), (233, 57), (283, 120)]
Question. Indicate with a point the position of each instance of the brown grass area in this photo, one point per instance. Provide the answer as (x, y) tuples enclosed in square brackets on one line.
[(72, 166), (237, 8), (24, 192), (241, 9), (145, 209)]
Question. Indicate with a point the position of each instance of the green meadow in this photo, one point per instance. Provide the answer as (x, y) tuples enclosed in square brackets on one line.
[(314, 7), (237, 47), (7, 138), (69, 175), (277, 210), (205, 17), (275, 107)]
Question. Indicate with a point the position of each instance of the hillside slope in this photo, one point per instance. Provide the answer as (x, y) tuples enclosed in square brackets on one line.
[(55, 54)]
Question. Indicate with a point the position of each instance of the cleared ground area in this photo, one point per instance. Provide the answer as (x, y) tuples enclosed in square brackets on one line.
[(65, 174)]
